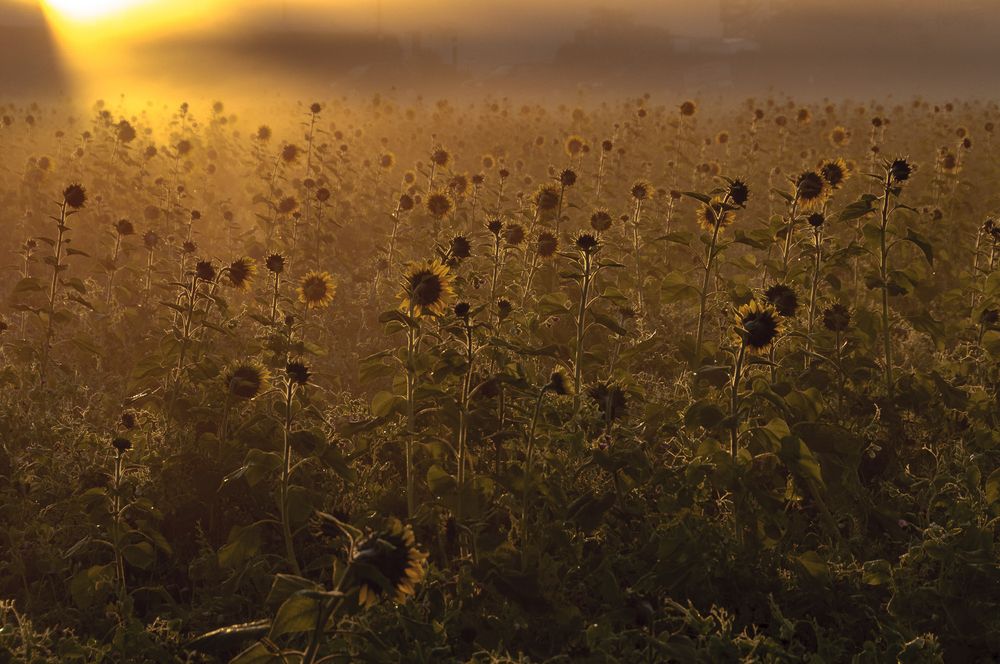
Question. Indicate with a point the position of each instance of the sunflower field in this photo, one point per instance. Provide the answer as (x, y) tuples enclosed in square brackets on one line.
[(374, 380)]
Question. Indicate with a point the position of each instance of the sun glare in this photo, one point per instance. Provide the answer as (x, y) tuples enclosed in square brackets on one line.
[(90, 10)]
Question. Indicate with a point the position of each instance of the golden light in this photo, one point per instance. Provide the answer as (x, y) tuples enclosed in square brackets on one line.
[(90, 10)]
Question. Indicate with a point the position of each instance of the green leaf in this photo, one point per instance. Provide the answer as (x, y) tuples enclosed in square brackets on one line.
[(992, 491), (139, 555), (921, 242), (244, 542), (385, 403), (814, 566), (876, 572), (297, 614)]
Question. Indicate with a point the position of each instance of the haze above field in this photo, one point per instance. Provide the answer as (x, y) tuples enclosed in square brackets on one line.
[(234, 49)]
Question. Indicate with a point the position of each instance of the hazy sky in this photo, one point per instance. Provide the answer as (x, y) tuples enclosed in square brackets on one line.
[(819, 46)]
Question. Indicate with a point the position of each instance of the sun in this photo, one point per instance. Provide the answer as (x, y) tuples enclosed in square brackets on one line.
[(90, 10)]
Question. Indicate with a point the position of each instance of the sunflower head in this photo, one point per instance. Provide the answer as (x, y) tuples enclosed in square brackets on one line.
[(601, 220), (75, 196), (900, 170), (514, 235), (783, 298), (547, 198), (297, 372), (758, 324), (567, 178), (588, 243), (460, 247), (835, 172), (739, 192), (715, 213), (811, 189), (688, 108), (427, 287), (241, 272), (504, 308), (317, 289), (388, 565), (641, 190), (440, 157), (574, 145), (839, 137), (816, 220), (205, 271), (837, 318), (547, 244), (275, 263), (124, 227), (611, 400), (246, 380), (439, 204), (559, 384)]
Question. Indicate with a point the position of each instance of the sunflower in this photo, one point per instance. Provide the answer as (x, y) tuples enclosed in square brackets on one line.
[(275, 263), (839, 137), (783, 298), (297, 372), (758, 325), (388, 563), (811, 189), (460, 247), (714, 213), (246, 380), (559, 384), (547, 244), (601, 220), (835, 172), (317, 289), (837, 318), (588, 243), (440, 157), (568, 177), (900, 169), (427, 287), (241, 272), (124, 227), (574, 145), (439, 204), (611, 400), (205, 271), (546, 198), (641, 190), (739, 192), (688, 108), (75, 196)]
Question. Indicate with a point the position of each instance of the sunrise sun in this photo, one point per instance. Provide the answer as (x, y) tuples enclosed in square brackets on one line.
[(90, 10)]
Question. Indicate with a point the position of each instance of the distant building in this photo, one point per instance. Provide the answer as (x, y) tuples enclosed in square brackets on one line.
[(29, 60)]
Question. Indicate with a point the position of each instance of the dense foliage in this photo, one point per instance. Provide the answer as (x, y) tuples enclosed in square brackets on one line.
[(386, 381)]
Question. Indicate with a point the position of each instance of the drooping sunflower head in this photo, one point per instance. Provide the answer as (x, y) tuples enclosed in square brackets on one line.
[(246, 380), (567, 178), (427, 287), (811, 189), (758, 324), (495, 226), (121, 445), (837, 318), (317, 289), (816, 220), (241, 272), (715, 213), (388, 565), (835, 172), (783, 298), (559, 384)]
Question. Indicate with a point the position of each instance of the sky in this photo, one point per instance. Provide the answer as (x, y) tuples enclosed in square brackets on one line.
[(819, 47)]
